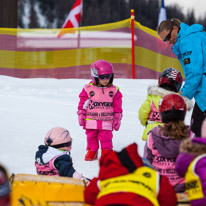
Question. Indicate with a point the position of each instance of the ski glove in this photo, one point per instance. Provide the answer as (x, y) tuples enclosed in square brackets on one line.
[(117, 121), (81, 117)]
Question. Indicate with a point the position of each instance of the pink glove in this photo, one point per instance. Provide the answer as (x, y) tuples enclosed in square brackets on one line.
[(81, 117), (117, 121)]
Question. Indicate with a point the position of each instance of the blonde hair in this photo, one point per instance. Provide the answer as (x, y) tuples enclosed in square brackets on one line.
[(177, 130), (168, 24)]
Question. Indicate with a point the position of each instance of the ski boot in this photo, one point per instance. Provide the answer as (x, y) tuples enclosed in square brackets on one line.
[(91, 155), (105, 151)]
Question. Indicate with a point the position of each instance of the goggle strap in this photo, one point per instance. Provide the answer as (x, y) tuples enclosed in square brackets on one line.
[(66, 144)]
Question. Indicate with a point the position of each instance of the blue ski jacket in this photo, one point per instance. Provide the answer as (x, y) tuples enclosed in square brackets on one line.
[(190, 49)]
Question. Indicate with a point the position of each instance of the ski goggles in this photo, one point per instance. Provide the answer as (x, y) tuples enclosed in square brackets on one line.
[(66, 144), (105, 76), (168, 37)]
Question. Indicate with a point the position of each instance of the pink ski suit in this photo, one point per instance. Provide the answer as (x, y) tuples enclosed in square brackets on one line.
[(102, 108)]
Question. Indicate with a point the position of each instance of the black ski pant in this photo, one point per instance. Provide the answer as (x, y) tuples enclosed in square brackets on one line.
[(196, 120)]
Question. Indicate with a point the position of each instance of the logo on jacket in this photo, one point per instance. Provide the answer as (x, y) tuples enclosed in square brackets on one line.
[(91, 93), (111, 93), (164, 159), (191, 185), (187, 61), (186, 54), (99, 105)]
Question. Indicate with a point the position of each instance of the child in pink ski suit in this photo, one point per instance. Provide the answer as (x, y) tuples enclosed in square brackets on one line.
[(100, 109)]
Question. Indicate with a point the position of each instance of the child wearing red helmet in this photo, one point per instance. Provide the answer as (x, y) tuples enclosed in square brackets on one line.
[(169, 82), (100, 109), (54, 158), (162, 146)]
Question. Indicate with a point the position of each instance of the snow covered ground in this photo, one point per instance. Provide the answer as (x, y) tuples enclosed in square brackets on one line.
[(30, 107)]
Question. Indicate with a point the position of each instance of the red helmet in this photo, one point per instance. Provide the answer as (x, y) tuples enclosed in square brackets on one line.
[(59, 138), (101, 67), (172, 107), (170, 79)]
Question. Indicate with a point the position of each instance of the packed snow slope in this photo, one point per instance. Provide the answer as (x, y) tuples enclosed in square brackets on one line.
[(30, 107)]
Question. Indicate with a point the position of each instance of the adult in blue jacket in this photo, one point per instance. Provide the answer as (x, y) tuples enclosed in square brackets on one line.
[(190, 47)]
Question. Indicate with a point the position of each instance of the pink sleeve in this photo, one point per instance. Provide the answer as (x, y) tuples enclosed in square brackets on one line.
[(83, 97), (117, 102)]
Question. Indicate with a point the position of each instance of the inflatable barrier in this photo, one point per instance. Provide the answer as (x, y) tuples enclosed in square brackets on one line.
[(41, 190)]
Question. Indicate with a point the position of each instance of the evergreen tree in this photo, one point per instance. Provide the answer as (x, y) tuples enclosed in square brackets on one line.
[(97, 12)]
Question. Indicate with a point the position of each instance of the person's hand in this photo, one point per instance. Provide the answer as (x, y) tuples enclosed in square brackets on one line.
[(81, 117), (117, 121), (77, 175)]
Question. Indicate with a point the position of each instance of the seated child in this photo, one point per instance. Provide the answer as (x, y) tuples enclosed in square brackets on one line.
[(125, 179), (170, 81), (54, 158), (162, 146), (191, 164)]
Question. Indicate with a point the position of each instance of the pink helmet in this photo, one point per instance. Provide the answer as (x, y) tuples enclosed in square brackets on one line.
[(59, 138), (101, 67)]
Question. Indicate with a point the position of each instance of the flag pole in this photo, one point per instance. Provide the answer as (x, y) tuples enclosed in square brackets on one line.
[(133, 54)]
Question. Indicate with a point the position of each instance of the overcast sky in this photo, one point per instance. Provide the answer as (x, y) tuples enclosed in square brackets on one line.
[(198, 5)]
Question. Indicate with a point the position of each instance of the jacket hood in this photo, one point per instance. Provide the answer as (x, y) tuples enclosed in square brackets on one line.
[(182, 162), (113, 164), (46, 153), (186, 30), (199, 140), (166, 146), (158, 91), (195, 146)]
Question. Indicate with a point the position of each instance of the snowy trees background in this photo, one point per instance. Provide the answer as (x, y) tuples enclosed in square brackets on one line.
[(52, 13)]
